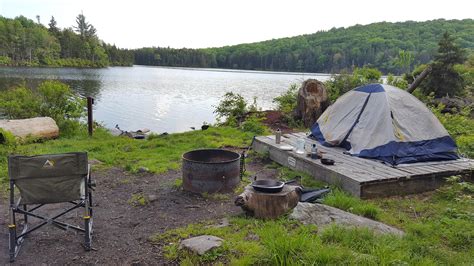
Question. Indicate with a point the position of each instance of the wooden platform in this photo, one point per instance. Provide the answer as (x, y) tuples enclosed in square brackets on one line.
[(361, 177)]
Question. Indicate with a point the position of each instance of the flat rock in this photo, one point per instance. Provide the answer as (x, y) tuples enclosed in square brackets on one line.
[(201, 244), (323, 215)]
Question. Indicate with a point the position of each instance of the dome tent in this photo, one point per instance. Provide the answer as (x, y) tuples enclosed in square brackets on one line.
[(385, 123)]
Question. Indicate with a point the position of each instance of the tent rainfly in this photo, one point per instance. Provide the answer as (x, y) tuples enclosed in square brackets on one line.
[(385, 123)]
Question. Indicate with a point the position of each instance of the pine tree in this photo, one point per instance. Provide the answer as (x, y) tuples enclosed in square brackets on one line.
[(53, 28), (444, 80)]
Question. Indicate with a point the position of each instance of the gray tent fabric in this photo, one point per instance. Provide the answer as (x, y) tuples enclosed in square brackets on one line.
[(50, 178)]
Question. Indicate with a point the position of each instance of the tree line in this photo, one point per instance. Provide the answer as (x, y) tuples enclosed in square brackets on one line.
[(390, 47), (24, 42)]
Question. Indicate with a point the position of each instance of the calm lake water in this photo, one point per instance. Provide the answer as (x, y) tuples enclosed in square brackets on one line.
[(161, 99)]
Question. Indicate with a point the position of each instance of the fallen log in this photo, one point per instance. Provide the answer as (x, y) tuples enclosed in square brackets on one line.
[(268, 205), (38, 127), (419, 79)]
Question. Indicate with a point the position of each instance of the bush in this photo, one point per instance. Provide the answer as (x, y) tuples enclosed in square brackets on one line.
[(253, 123), (397, 82), (286, 104), (52, 98), (339, 84), (232, 108)]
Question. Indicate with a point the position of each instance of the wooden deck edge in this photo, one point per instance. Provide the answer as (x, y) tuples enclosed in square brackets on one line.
[(318, 172), (372, 189)]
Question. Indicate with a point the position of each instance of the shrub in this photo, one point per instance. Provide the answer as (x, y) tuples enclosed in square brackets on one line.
[(397, 82), (52, 98), (253, 123), (232, 108), (339, 84)]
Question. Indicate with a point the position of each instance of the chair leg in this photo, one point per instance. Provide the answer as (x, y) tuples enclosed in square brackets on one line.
[(87, 233), (12, 243)]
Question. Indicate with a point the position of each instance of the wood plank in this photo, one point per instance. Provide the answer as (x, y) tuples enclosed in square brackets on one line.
[(338, 166), (377, 170), (318, 172), (341, 166)]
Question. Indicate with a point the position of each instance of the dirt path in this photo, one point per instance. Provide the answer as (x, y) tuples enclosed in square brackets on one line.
[(121, 231)]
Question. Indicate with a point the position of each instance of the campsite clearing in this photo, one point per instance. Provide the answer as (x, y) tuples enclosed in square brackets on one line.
[(361, 177)]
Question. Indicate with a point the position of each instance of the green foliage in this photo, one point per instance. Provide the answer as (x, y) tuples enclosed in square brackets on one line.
[(377, 45), (460, 126), (52, 98), (24, 42), (404, 61), (339, 84), (253, 123), (397, 82), (444, 79), (138, 200), (5, 61), (286, 104), (232, 108)]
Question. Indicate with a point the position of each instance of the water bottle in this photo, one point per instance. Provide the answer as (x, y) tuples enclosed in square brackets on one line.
[(278, 136), (300, 146), (314, 152)]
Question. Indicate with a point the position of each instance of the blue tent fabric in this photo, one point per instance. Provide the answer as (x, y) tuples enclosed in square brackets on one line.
[(385, 123)]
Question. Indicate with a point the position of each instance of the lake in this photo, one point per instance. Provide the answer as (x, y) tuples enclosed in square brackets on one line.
[(160, 98)]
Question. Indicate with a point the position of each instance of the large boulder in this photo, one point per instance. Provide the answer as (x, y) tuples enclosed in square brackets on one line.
[(323, 215), (312, 101), (38, 127)]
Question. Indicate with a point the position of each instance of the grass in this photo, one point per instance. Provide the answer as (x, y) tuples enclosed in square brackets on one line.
[(159, 154), (441, 232)]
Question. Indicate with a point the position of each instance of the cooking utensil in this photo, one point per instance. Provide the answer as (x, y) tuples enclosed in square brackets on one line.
[(327, 161), (269, 186)]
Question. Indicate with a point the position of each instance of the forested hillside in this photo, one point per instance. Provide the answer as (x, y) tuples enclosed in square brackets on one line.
[(24, 42), (376, 45)]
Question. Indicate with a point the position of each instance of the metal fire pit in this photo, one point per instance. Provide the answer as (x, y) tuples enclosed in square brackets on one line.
[(210, 170)]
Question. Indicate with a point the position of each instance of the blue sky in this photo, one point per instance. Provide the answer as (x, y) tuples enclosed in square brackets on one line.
[(211, 23)]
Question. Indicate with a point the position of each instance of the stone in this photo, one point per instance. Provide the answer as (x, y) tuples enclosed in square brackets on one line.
[(222, 223), (38, 127), (323, 216), (95, 162), (201, 244), (312, 101), (143, 169)]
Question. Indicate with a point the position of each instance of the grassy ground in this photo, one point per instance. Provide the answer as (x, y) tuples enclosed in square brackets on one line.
[(439, 226), (158, 154), (439, 230)]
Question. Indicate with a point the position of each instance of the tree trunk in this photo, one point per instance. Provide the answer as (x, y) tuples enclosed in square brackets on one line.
[(312, 101), (419, 79), (268, 205)]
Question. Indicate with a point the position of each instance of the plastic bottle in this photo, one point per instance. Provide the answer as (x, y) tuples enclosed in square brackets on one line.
[(314, 152), (278, 136)]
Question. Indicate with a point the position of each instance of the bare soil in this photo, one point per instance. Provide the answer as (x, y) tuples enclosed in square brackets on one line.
[(121, 230)]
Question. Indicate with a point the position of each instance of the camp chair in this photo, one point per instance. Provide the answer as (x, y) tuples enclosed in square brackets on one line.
[(48, 179)]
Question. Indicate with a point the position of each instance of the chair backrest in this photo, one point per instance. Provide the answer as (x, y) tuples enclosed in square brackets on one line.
[(49, 178)]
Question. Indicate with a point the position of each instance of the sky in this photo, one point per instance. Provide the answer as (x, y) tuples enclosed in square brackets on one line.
[(215, 23)]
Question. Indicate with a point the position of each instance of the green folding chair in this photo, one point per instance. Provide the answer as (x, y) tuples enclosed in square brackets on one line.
[(43, 180)]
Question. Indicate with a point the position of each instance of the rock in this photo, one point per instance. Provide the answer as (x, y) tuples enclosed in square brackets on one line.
[(312, 101), (143, 169), (201, 244), (95, 162), (323, 215), (115, 132), (152, 198), (222, 223), (38, 127)]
